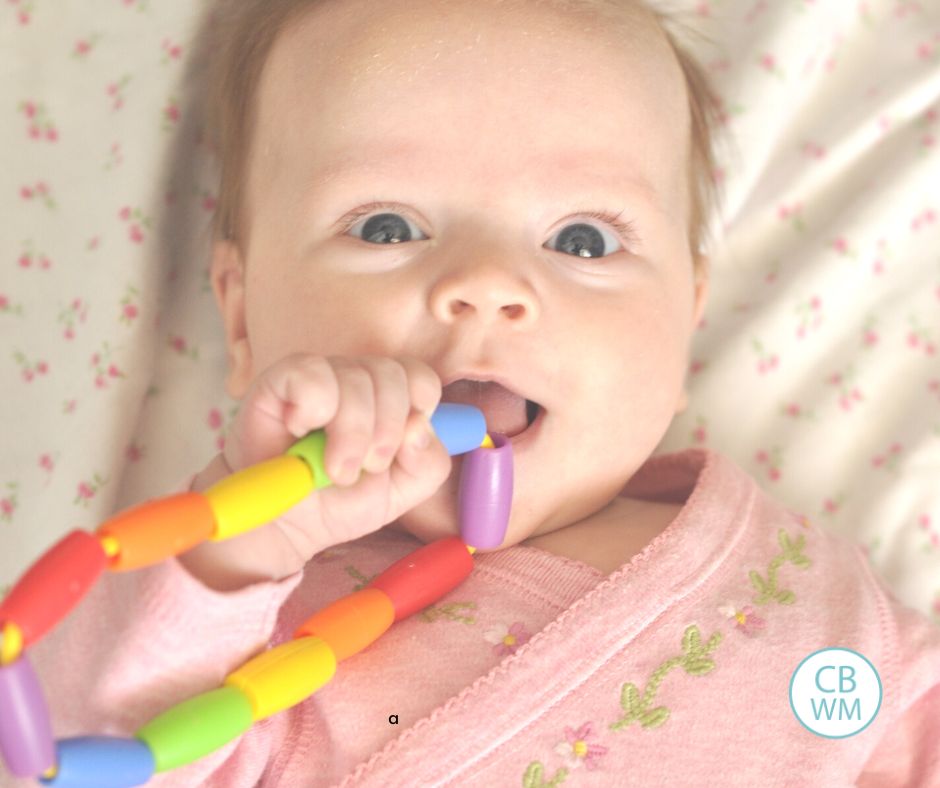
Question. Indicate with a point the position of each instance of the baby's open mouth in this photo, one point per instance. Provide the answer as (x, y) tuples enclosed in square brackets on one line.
[(531, 411), (506, 412)]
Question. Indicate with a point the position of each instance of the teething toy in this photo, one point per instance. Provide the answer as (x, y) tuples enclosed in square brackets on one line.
[(270, 682)]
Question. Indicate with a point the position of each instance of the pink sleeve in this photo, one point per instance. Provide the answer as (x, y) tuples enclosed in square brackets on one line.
[(909, 753), (142, 641)]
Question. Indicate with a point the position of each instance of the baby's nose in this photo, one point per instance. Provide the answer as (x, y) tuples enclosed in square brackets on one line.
[(487, 293)]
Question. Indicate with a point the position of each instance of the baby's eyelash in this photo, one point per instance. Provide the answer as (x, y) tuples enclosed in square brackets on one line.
[(353, 216), (626, 228)]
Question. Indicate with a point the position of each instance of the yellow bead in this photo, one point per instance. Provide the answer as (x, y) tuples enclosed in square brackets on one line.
[(110, 545), (258, 494), (11, 643), (285, 675)]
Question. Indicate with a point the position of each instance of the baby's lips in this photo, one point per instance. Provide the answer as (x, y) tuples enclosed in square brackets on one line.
[(484, 499)]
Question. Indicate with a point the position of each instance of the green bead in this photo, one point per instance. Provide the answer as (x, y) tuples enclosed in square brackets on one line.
[(311, 449), (194, 728)]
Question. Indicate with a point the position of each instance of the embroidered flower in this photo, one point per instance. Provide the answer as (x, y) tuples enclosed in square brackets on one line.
[(746, 619), (577, 751), (507, 640)]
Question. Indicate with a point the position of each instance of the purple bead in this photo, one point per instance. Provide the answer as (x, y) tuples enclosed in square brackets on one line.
[(25, 731), (485, 496)]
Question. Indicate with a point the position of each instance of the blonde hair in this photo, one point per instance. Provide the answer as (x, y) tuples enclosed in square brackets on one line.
[(241, 33)]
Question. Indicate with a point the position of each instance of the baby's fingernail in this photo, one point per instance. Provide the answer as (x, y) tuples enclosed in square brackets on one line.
[(421, 437)]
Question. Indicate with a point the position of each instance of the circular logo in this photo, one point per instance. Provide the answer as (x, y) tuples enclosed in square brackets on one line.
[(835, 692)]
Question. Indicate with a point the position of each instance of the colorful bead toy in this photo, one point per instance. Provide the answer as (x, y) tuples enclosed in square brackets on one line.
[(274, 680)]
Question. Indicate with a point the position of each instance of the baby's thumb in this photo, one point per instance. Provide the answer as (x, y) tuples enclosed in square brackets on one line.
[(421, 465)]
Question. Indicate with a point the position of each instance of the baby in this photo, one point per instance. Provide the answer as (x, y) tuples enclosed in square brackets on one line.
[(418, 196), (522, 210)]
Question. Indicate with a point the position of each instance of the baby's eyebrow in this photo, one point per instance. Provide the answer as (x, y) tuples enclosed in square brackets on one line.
[(386, 157)]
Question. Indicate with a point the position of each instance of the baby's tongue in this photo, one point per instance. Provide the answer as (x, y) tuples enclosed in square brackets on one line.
[(505, 412)]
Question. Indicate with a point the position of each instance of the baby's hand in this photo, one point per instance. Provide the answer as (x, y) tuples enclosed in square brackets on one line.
[(371, 408)]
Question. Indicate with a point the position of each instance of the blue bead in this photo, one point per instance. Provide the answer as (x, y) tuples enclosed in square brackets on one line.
[(461, 428), (101, 762)]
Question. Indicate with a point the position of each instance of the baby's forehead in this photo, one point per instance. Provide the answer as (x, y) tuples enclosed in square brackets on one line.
[(477, 86), (335, 50)]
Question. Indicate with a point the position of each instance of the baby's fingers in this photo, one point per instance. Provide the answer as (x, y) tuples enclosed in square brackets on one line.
[(349, 434), (306, 390), (294, 395), (377, 394), (417, 472), (392, 406)]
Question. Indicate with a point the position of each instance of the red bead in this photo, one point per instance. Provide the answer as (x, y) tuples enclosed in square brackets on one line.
[(424, 576), (53, 585)]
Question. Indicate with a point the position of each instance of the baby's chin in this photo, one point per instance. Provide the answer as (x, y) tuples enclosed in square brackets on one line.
[(438, 517), (422, 532), (427, 534), (397, 525), (434, 518)]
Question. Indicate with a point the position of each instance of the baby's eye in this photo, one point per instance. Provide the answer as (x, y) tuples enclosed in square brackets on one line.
[(383, 228), (583, 240), (579, 239)]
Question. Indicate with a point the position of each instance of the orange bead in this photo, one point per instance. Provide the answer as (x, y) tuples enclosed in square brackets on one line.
[(158, 529), (350, 624)]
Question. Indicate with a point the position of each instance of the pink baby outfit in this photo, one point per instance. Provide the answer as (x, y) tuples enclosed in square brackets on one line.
[(672, 671)]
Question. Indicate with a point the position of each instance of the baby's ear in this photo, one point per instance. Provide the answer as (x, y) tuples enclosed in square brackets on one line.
[(702, 279), (227, 274)]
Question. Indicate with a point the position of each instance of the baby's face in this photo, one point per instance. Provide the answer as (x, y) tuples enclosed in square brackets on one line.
[(489, 131)]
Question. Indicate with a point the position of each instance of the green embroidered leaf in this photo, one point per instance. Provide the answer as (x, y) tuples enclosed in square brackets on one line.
[(713, 642), (630, 700), (655, 717), (786, 597), (560, 776), (802, 561), (784, 540), (757, 581), (691, 640), (533, 776), (698, 666), (791, 551)]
